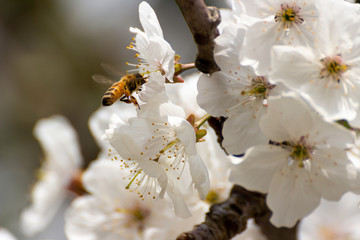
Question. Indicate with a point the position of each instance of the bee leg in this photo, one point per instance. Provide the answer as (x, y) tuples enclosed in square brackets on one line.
[(125, 99), (134, 101), (130, 99)]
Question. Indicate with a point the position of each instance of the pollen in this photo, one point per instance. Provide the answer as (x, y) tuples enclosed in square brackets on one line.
[(300, 152), (333, 68), (259, 88), (288, 15)]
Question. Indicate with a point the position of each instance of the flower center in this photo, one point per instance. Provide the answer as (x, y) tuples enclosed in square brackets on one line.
[(138, 216), (212, 197), (259, 88), (300, 153), (333, 68), (288, 15), (135, 217)]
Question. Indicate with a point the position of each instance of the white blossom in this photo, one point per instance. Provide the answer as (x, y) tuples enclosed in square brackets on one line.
[(62, 162), (6, 235), (327, 76), (306, 161), (159, 146), (156, 58), (279, 22), (235, 92)]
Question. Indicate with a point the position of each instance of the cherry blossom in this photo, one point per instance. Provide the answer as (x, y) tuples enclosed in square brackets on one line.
[(155, 57), (235, 92), (326, 75), (62, 162), (159, 148), (278, 22), (305, 161)]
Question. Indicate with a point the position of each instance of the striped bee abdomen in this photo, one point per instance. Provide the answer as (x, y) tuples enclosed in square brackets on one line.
[(113, 93)]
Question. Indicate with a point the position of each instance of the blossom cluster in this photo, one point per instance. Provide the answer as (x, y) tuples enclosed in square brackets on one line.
[(288, 88)]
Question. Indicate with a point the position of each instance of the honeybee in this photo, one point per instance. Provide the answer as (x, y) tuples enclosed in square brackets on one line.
[(121, 89)]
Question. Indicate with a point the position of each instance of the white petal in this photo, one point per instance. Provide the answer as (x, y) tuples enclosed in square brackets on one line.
[(149, 20), (185, 133), (121, 139), (293, 66), (287, 118), (59, 142), (180, 207), (103, 178), (331, 173), (258, 167), (47, 197), (159, 109), (258, 41), (242, 131), (291, 196), (153, 169), (200, 175), (86, 219), (6, 235), (153, 89), (102, 118), (259, 8), (331, 134), (221, 91)]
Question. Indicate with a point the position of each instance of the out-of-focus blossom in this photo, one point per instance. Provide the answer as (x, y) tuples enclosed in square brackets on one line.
[(6, 235), (333, 220), (112, 212), (62, 162)]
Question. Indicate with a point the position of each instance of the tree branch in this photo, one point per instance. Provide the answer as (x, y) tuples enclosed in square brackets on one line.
[(226, 219), (202, 21)]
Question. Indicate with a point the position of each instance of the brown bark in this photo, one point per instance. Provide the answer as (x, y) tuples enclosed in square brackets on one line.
[(226, 219), (202, 21)]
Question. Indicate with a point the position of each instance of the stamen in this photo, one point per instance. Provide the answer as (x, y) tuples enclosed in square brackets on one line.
[(258, 89), (288, 15), (300, 152), (333, 68)]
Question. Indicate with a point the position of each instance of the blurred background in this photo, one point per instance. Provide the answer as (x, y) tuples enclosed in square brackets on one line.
[(48, 52)]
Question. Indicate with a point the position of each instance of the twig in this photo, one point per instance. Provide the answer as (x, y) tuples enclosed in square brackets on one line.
[(202, 21)]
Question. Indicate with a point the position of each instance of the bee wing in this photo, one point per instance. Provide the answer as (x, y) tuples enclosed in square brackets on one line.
[(102, 79), (112, 70)]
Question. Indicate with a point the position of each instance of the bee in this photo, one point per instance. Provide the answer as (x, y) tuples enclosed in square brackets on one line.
[(121, 89)]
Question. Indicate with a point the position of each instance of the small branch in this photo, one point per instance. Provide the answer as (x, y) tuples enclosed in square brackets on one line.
[(226, 219), (217, 124), (202, 21), (273, 233)]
